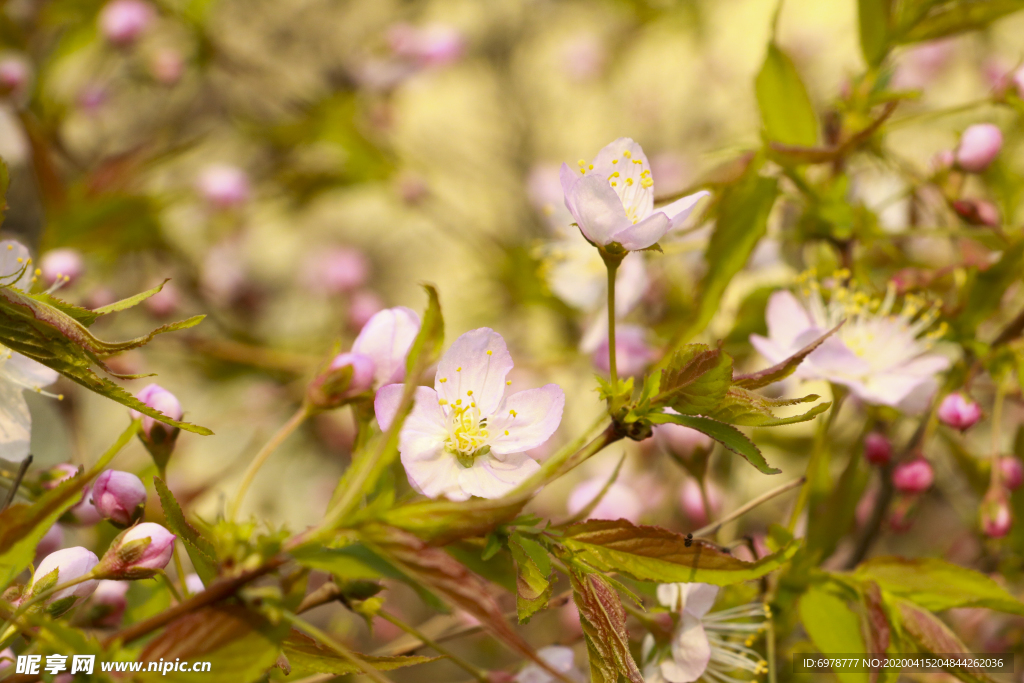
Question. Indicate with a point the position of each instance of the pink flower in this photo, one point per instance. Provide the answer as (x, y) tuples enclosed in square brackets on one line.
[(130, 556), (61, 265), (619, 502), (996, 516), (559, 658), (122, 22), (612, 199), (632, 354), (194, 584), (1012, 471), (158, 398), (915, 476), (465, 437), (979, 145), (877, 449), (69, 564), (386, 338), (337, 270), (957, 411), (224, 186), (108, 603), (119, 497)]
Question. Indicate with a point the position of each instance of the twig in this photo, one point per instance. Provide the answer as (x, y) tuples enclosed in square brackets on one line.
[(739, 512), (17, 482), (470, 668), (276, 440)]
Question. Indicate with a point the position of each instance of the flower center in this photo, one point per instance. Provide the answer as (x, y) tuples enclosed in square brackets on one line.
[(467, 434)]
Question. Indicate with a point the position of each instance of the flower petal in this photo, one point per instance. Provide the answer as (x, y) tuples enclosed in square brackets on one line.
[(435, 473), (15, 423), (385, 404), (597, 209), (526, 419), (474, 369), (786, 318), (698, 598), (26, 372), (643, 234), (386, 338), (679, 210), (490, 477), (691, 652), (10, 252), (624, 163)]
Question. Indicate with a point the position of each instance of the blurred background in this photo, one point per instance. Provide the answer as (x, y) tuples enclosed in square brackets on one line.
[(294, 166)]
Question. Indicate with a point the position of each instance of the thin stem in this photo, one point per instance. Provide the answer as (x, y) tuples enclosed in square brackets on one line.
[(180, 571), (739, 512), (36, 599), (997, 422), (613, 267), (332, 643), (170, 585), (283, 433), (22, 469), (473, 670), (770, 637)]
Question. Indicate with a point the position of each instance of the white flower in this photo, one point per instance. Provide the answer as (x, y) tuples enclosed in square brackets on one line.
[(559, 658), (612, 198), (882, 357), (464, 437), (17, 372), (711, 645)]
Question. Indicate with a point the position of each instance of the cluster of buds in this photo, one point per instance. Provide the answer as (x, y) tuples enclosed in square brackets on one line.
[(158, 437)]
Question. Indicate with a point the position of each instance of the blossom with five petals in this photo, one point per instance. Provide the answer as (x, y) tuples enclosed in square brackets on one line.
[(612, 199), (464, 437)]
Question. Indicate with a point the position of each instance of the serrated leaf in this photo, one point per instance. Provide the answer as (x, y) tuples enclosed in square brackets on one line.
[(695, 380), (951, 17), (730, 437), (603, 620), (937, 585), (833, 628), (780, 371), (741, 407), (441, 521), (533, 576), (931, 635), (200, 551), (650, 553), (50, 336), (786, 109), (125, 304), (306, 658)]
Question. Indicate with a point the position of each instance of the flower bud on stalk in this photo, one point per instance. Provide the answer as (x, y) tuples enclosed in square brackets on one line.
[(877, 449), (979, 146), (348, 376), (120, 497), (996, 517), (158, 437), (60, 568), (61, 266), (107, 605), (1012, 472), (915, 476), (122, 22), (14, 76), (959, 412), (140, 552)]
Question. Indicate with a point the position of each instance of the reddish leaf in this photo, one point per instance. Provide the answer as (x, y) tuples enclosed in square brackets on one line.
[(603, 619)]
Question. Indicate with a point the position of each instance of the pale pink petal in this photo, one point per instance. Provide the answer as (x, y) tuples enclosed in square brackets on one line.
[(27, 372), (669, 595), (643, 234), (691, 652), (490, 477), (15, 423), (772, 350), (679, 210), (473, 370), (834, 360), (385, 404), (786, 318), (615, 151), (10, 253), (435, 473), (597, 209), (386, 338), (526, 419), (890, 388), (698, 598)]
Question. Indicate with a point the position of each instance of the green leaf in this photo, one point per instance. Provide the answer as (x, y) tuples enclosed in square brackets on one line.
[(200, 551), (950, 17), (695, 380), (51, 336), (780, 371), (931, 635), (23, 526), (730, 437), (603, 619), (741, 407), (786, 109), (873, 16), (125, 304), (650, 553), (307, 658), (937, 585), (833, 628), (441, 521), (426, 348), (533, 576)]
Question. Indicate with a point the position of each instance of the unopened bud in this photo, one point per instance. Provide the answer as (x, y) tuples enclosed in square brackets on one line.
[(107, 605), (51, 542), (348, 376), (996, 517), (122, 22), (913, 477), (158, 437), (61, 266), (979, 145), (959, 412), (386, 338), (120, 497), (14, 75), (1012, 472), (877, 449), (977, 212), (59, 568), (138, 553)]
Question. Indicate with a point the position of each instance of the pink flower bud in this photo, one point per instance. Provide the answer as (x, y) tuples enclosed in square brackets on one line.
[(386, 338), (362, 307), (14, 75), (61, 265), (682, 441), (164, 302), (692, 502), (337, 385), (996, 516), (119, 497), (51, 542), (158, 398), (915, 476), (877, 449), (129, 557), (979, 145), (619, 502), (167, 66), (108, 602), (122, 22), (224, 186), (632, 354), (977, 212), (194, 584), (337, 270), (1012, 472), (70, 564), (957, 411)]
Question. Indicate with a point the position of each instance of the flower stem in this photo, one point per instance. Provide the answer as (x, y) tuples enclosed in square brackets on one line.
[(613, 267), (283, 433), (16, 482), (473, 670), (333, 644), (997, 421), (739, 512)]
